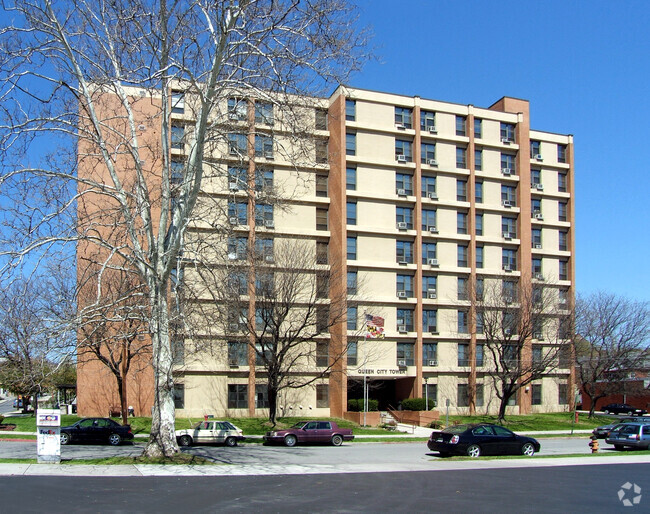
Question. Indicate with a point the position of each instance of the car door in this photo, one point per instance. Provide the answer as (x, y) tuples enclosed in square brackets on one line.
[(204, 433), (83, 430), (101, 430), (324, 431), (219, 432), (485, 437), (645, 435), (310, 432), (506, 441)]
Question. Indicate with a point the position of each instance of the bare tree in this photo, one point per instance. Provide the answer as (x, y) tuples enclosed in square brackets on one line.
[(509, 316), (612, 337), (87, 93)]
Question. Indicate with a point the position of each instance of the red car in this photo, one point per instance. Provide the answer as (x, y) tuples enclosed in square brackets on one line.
[(310, 432)]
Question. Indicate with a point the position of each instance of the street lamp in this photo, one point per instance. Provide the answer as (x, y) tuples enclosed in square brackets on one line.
[(426, 392)]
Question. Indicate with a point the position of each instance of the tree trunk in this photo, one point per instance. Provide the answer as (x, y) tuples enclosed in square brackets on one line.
[(162, 440), (502, 409), (272, 393), (122, 396)]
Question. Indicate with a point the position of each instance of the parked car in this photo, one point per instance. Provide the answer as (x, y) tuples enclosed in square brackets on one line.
[(633, 435), (96, 430), (623, 408), (481, 439), (210, 432), (603, 431), (310, 432)]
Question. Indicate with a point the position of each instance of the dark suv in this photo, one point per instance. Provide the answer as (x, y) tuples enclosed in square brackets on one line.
[(623, 408), (634, 435)]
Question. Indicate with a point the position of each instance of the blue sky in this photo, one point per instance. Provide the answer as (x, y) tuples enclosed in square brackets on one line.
[(584, 66)]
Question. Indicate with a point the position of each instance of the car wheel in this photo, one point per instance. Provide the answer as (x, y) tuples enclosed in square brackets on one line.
[(185, 440), (528, 449), (65, 438), (337, 440), (605, 411), (231, 441), (114, 439), (619, 447), (630, 413), (290, 440), (474, 450)]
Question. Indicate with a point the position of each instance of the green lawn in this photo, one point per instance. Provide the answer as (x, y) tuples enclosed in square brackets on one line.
[(534, 422)]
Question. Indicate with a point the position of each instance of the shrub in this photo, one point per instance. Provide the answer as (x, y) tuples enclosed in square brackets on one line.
[(417, 404), (436, 424), (356, 405), (2, 418)]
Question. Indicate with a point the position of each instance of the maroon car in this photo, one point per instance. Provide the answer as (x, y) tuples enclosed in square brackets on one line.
[(310, 432)]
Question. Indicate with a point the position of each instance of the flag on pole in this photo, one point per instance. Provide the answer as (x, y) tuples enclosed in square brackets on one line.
[(374, 327)]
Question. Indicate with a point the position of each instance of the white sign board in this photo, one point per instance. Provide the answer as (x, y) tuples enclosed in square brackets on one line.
[(48, 426)]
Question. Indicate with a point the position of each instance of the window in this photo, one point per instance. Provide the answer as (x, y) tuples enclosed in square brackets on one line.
[(536, 394), (508, 195), (405, 319), (321, 119), (321, 219), (562, 237), (561, 153), (535, 148), (322, 354), (405, 352), (461, 125), (405, 149), (350, 110), (463, 325), (535, 177), (350, 144), (178, 350), (403, 184), (428, 186), (321, 186), (509, 259), (405, 285), (562, 394), (479, 289), (322, 284), (461, 223), (350, 178), (561, 182), (178, 392), (561, 211), (237, 396), (352, 353), (237, 177), (478, 222), (238, 282), (564, 270), (237, 248), (178, 137), (510, 354), (263, 146), (479, 395), (479, 257), (537, 238), (462, 256), (404, 215), (428, 153), (237, 353), (478, 159), (428, 252), (352, 248), (404, 117), (263, 354), (322, 396), (480, 315), (461, 190), (264, 113), (428, 219), (428, 285), (428, 120), (507, 132), (322, 318), (261, 396), (462, 288), (352, 318), (263, 179), (321, 151), (352, 282), (478, 128), (508, 164), (430, 355), (404, 252), (461, 157), (509, 227), (264, 214), (480, 354), (509, 291), (538, 354), (430, 392), (462, 399), (237, 109), (351, 213), (537, 266), (176, 172), (178, 102), (238, 144), (237, 212), (429, 320), (478, 192), (563, 296)]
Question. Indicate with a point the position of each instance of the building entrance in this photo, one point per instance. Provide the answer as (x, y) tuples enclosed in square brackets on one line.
[(381, 390)]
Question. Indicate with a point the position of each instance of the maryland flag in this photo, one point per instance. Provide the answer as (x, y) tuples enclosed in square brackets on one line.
[(374, 327)]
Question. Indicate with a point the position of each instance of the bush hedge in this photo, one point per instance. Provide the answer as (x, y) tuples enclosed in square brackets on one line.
[(417, 404), (356, 405)]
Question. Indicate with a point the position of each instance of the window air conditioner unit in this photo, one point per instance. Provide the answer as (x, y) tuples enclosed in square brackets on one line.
[(506, 267), (268, 258), (234, 327), (538, 246), (538, 157), (401, 158), (432, 362), (507, 235), (432, 129), (432, 196), (539, 276), (432, 162), (538, 216), (506, 203), (401, 294), (432, 294), (232, 256), (401, 363), (432, 229), (269, 223), (432, 262), (539, 187), (506, 171), (233, 364), (537, 335), (401, 225), (402, 261), (507, 331), (233, 116), (233, 186), (399, 126), (401, 192), (401, 329), (506, 140), (508, 299), (268, 155), (233, 220), (563, 301)]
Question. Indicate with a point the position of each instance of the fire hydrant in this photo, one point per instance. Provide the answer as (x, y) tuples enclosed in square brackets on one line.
[(593, 444)]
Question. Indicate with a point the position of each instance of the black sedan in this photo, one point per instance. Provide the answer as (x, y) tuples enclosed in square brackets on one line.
[(96, 430), (623, 408), (475, 440)]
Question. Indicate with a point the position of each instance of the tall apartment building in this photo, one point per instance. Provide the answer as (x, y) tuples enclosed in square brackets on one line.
[(414, 202)]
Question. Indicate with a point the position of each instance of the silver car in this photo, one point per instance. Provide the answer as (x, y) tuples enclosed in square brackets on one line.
[(632, 435), (210, 432)]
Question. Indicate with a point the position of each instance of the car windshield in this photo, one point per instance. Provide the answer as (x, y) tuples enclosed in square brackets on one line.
[(300, 424)]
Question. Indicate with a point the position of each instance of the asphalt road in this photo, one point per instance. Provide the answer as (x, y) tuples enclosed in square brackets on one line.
[(592, 489)]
